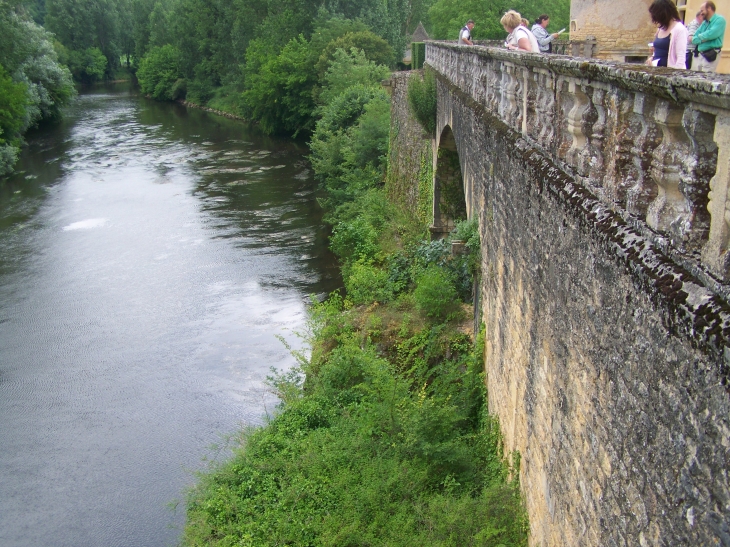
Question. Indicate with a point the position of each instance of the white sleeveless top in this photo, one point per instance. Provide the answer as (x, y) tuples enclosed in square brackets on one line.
[(523, 32)]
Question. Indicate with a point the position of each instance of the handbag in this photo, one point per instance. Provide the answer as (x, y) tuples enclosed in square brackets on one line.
[(710, 55), (688, 59)]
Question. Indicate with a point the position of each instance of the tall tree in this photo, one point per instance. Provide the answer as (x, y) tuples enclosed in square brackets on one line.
[(83, 24)]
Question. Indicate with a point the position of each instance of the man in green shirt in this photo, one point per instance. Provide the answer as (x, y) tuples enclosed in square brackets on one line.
[(708, 39)]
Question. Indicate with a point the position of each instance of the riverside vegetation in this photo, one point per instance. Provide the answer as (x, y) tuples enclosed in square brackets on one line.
[(383, 435)]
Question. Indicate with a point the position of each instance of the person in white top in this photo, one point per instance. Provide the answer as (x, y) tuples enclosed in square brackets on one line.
[(520, 38), (465, 34)]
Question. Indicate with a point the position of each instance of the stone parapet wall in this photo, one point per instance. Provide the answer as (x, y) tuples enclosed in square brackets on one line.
[(607, 322), (650, 143)]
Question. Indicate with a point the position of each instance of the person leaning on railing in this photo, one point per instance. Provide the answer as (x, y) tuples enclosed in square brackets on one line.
[(708, 39), (519, 38)]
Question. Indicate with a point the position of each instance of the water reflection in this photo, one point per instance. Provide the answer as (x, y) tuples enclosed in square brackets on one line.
[(149, 254)]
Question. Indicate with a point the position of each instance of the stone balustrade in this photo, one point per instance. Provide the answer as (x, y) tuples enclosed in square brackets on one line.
[(572, 48), (653, 144)]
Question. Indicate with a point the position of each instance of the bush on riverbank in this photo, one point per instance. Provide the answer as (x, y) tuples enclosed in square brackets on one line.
[(33, 85), (387, 442)]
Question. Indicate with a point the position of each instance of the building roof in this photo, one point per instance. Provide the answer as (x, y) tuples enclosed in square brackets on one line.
[(420, 34)]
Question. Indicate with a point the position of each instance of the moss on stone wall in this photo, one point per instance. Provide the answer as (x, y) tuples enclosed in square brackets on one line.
[(409, 181)]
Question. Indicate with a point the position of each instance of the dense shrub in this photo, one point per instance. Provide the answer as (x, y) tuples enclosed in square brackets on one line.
[(88, 65), (435, 293), (347, 69), (422, 99), (158, 73), (34, 84), (279, 86), (349, 143), (369, 456), (355, 240), (373, 47), (367, 283), (13, 102)]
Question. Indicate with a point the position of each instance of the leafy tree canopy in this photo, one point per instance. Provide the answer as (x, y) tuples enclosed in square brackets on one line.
[(449, 16)]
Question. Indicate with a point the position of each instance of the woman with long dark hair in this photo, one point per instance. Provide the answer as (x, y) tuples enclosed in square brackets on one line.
[(670, 41)]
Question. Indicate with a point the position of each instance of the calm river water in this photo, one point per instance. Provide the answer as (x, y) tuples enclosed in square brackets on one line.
[(149, 256)]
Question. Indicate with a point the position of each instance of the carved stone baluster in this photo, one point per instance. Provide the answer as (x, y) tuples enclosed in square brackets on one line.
[(484, 81), (544, 117), (574, 123), (565, 105), (509, 109), (594, 126), (495, 87), (715, 252), (670, 211), (508, 101), (534, 120), (617, 126), (634, 188), (472, 71), (523, 76), (700, 166)]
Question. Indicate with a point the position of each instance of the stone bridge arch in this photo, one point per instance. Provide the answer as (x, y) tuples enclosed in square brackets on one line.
[(449, 201), (451, 191)]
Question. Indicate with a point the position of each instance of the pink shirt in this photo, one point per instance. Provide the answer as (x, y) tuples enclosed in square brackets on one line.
[(677, 46)]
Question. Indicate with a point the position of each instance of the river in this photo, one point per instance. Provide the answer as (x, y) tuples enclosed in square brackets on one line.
[(150, 255)]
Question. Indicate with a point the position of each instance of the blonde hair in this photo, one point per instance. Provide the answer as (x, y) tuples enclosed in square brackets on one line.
[(511, 19)]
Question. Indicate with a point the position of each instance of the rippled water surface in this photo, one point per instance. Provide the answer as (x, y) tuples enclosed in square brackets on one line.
[(149, 256)]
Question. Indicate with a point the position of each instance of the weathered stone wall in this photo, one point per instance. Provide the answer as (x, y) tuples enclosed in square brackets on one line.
[(621, 27), (606, 360), (410, 162)]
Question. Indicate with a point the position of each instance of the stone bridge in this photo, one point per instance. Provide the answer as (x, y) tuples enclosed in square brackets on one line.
[(602, 196)]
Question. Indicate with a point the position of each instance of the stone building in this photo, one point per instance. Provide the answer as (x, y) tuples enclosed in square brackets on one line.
[(623, 29)]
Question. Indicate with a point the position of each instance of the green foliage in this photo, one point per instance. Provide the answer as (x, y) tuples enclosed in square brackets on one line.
[(348, 69), (367, 283), (350, 143), (355, 240), (279, 86), (447, 17), (422, 99), (373, 46), (34, 86), (435, 294), (81, 25), (159, 74), (418, 55), (369, 454), (87, 66), (13, 102)]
